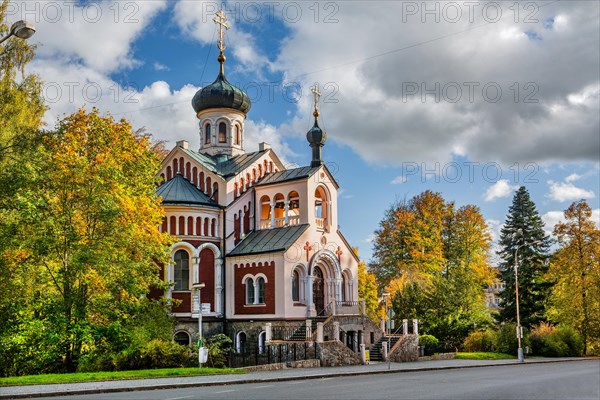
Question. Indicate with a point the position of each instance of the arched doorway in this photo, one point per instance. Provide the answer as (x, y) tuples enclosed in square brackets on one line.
[(318, 290)]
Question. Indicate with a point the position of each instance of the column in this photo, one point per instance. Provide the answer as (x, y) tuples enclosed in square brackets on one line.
[(319, 332), (338, 289), (170, 278), (268, 332), (272, 204), (287, 209), (218, 286), (416, 327), (405, 327), (309, 295), (384, 351), (336, 330), (309, 330)]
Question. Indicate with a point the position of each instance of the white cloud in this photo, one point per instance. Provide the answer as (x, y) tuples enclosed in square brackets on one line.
[(551, 218), (573, 177), (502, 188), (160, 67), (566, 191), (400, 179)]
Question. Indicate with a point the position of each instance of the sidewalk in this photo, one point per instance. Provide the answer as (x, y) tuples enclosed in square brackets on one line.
[(256, 377)]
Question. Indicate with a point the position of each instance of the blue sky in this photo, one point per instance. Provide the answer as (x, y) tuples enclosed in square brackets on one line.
[(468, 99)]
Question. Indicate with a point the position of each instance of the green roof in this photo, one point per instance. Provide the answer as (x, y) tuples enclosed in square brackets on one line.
[(228, 168), (180, 191), (288, 175), (269, 240)]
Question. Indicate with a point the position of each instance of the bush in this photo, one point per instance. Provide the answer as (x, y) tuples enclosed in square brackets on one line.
[(480, 341), (156, 354), (550, 341), (506, 339), (430, 343), (219, 347)]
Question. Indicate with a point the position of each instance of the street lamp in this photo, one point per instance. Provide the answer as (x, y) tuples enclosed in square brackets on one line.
[(20, 29), (519, 328), (201, 353), (386, 296)]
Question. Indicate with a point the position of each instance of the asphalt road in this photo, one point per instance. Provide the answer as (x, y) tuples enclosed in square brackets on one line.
[(577, 380)]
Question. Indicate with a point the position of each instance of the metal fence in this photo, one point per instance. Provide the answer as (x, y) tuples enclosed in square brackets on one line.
[(253, 354)]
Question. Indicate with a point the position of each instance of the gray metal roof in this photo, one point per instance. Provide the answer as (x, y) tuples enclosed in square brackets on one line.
[(227, 168), (288, 175), (269, 240), (180, 191)]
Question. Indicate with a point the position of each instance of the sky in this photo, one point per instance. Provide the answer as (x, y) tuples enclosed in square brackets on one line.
[(470, 99)]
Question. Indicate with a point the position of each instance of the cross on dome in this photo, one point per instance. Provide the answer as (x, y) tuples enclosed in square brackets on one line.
[(316, 94), (221, 20)]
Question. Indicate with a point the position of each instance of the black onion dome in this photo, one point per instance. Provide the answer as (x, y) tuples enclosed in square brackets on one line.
[(221, 94), (316, 135)]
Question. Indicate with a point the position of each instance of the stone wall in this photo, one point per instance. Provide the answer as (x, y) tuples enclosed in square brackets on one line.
[(363, 324), (439, 356), (407, 349), (335, 353), (294, 364)]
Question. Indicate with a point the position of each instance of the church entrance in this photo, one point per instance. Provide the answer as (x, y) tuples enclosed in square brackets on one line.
[(318, 290)]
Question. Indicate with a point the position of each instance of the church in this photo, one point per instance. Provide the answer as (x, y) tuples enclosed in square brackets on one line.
[(256, 243)]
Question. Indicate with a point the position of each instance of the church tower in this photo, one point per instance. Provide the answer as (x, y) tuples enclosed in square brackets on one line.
[(221, 109)]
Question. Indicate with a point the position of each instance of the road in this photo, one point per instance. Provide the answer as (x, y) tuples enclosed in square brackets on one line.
[(573, 380)]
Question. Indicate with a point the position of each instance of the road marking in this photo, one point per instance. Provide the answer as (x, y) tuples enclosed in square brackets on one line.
[(226, 391), (262, 387), (295, 382), (177, 398), (326, 379)]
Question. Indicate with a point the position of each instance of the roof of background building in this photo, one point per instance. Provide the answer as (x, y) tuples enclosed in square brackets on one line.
[(269, 240), (179, 190)]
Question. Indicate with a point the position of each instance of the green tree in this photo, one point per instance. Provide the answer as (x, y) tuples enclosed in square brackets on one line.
[(575, 269), (433, 258), (524, 230), (89, 232)]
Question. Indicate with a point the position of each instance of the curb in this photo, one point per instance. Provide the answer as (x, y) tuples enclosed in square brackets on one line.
[(280, 379)]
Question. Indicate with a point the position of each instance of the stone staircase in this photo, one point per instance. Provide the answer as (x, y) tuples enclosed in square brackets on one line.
[(376, 349)]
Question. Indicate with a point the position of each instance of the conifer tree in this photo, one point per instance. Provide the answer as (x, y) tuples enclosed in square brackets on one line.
[(524, 230)]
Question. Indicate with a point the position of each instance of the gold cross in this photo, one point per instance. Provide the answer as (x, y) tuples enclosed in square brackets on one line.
[(339, 253), (316, 94), (221, 20)]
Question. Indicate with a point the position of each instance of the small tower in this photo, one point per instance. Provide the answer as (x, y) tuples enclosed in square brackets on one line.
[(316, 136), (221, 108)]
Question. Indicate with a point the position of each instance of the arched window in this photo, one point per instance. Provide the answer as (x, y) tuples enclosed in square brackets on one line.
[(182, 270), (293, 208), (216, 192), (188, 171), (222, 133), (173, 225), (262, 340), (190, 226), (279, 201), (296, 286), (201, 181), (175, 166), (182, 338), (261, 290), (198, 226), (240, 342), (169, 173), (181, 230), (237, 138), (250, 291), (207, 134), (265, 212), (321, 208), (260, 171), (194, 175), (344, 289), (213, 227)]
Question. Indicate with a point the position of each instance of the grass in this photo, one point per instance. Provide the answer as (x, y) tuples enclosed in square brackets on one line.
[(111, 376), (484, 356)]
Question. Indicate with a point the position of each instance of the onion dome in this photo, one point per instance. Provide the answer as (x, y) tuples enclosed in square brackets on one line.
[(221, 94), (316, 139)]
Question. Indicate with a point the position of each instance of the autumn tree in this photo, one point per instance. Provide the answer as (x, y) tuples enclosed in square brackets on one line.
[(368, 291), (89, 234), (575, 269), (433, 258), (524, 230)]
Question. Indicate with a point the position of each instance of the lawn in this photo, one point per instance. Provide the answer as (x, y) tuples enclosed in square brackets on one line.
[(111, 376), (484, 356)]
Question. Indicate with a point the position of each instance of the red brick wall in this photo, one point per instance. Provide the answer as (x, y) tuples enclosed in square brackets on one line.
[(268, 269)]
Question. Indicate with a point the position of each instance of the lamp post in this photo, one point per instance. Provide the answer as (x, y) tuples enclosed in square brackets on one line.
[(519, 328), (20, 29), (199, 286), (386, 296)]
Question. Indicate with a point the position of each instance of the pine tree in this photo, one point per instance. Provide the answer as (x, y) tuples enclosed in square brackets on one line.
[(524, 231)]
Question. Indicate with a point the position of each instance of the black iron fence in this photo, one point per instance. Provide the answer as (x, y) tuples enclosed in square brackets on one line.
[(255, 354)]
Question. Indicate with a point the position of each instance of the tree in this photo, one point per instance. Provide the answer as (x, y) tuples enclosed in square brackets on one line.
[(89, 233), (524, 230), (433, 258), (575, 269), (367, 291)]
